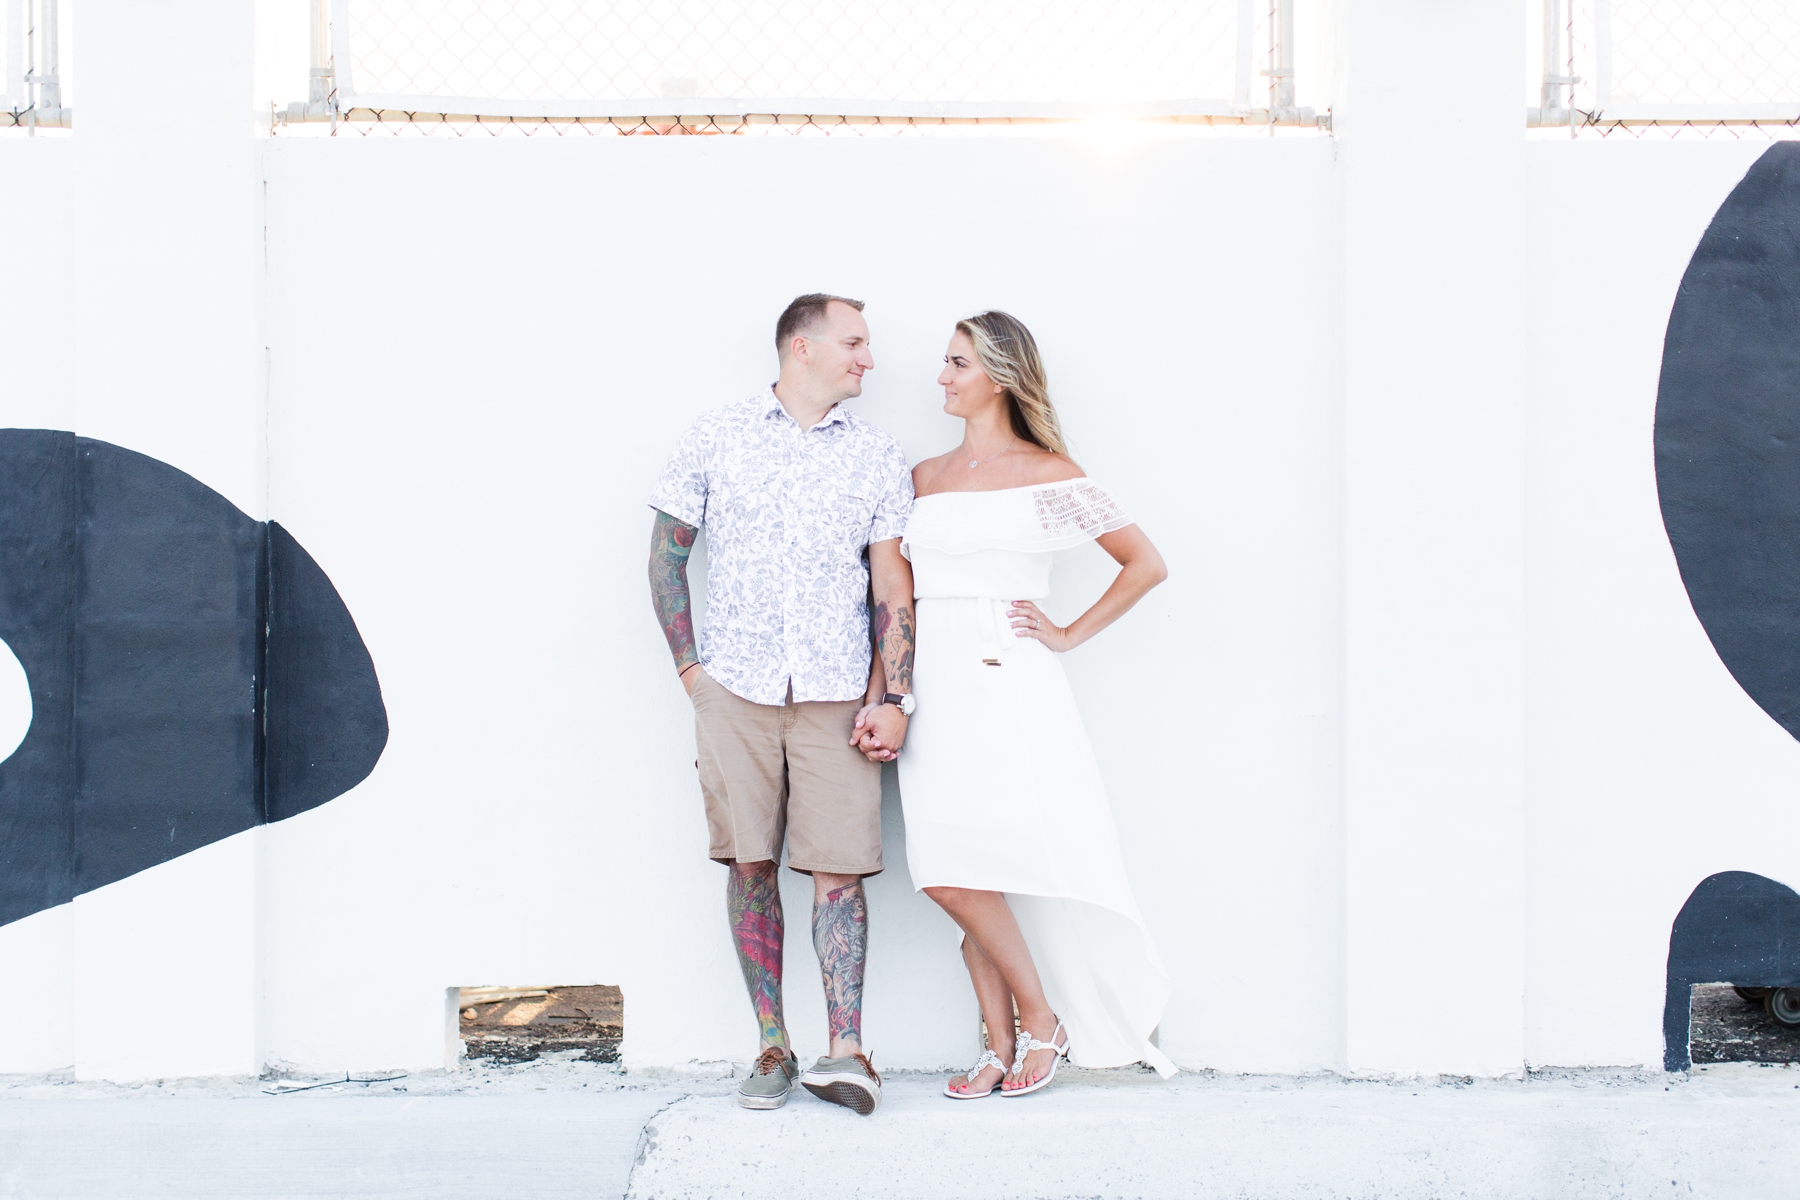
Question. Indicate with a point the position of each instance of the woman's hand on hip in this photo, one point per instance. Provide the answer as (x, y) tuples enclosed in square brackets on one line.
[(1028, 620)]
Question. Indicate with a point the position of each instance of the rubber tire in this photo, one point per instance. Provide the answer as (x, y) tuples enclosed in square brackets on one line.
[(1784, 1005), (1752, 995)]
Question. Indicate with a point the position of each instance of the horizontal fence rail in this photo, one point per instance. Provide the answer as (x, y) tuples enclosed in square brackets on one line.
[(732, 62)]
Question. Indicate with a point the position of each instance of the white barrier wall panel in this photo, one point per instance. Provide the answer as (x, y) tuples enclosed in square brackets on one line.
[(164, 983), (37, 389), (37, 386), (37, 965), (1650, 768), (1434, 497), (167, 250), (483, 354)]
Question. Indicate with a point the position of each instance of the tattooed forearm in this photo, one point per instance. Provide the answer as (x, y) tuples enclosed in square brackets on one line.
[(893, 633), (671, 542), (841, 939), (753, 900)]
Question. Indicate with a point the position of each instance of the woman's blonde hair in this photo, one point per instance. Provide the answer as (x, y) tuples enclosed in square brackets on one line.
[(1009, 355)]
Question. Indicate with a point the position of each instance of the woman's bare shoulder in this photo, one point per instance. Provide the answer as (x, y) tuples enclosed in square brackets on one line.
[(1048, 467), (926, 474)]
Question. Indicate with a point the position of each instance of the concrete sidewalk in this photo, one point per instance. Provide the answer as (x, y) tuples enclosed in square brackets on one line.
[(567, 1129)]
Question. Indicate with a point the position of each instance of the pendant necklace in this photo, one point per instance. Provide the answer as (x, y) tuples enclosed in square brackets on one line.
[(976, 462)]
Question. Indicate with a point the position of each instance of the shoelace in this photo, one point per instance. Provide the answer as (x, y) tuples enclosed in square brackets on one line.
[(863, 1061), (770, 1060)]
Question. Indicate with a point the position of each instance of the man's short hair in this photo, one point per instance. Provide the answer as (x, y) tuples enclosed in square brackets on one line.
[(804, 314)]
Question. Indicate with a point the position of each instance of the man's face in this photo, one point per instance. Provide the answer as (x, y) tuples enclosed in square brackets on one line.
[(836, 353)]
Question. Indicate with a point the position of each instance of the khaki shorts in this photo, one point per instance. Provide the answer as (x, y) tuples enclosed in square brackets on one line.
[(770, 769)]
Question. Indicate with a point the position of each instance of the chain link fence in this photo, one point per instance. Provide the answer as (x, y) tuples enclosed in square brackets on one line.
[(1695, 68), (807, 67), (15, 60), (12, 56), (31, 76)]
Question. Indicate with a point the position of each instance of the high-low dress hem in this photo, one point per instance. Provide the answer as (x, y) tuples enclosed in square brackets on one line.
[(999, 784)]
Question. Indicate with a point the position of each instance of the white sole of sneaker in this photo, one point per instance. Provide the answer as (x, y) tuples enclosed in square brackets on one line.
[(763, 1103)]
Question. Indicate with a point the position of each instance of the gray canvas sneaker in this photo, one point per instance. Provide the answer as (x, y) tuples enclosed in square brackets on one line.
[(770, 1081), (850, 1081)]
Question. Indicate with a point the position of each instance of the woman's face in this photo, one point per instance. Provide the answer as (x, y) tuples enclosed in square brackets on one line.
[(967, 388)]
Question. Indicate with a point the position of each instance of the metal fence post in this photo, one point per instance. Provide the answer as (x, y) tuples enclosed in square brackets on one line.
[(1284, 61), (1281, 70), (49, 84), (321, 83), (1554, 108), (1551, 98), (45, 84)]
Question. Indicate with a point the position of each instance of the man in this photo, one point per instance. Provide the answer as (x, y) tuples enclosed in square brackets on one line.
[(803, 503)]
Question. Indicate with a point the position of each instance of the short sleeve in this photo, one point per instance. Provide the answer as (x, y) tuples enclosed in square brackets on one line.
[(1079, 506), (681, 490), (894, 507)]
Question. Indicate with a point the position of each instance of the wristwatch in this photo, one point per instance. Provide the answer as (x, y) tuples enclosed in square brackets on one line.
[(906, 704)]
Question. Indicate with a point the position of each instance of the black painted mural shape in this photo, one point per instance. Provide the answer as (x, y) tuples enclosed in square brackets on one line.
[(1728, 479), (1735, 928), (1728, 433), (193, 673)]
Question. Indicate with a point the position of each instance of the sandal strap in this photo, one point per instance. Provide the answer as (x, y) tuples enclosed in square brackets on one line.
[(1026, 1044), (988, 1059)]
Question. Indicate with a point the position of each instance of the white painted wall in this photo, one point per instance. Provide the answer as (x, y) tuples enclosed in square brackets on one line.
[(1649, 768), (1422, 711), (166, 243), (469, 455), (1434, 589), (37, 389)]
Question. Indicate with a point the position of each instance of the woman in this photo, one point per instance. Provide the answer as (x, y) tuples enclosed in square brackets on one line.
[(1007, 822)]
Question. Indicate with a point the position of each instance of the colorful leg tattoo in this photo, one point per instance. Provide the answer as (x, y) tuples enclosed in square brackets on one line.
[(753, 901), (841, 939)]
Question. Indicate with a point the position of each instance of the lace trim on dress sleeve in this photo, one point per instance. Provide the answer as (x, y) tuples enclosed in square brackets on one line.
[(1080, 505), (1051, 518)]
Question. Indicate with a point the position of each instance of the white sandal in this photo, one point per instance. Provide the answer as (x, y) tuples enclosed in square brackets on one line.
[(988, 1059), (1025, 1045)]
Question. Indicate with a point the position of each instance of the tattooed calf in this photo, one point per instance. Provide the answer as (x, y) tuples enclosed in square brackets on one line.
[(841, 939), (753, 902)]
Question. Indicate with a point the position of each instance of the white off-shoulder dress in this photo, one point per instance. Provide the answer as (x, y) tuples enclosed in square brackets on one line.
[(998, 780)]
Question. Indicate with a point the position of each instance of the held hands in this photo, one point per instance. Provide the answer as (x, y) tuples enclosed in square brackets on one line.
[(1028, 620), (879, 732)]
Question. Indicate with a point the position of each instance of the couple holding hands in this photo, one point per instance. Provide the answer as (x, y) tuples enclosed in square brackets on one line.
[(820, 542)]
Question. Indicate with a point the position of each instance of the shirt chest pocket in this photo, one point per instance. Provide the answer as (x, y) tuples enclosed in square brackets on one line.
[(850, 522), (750, 492), (825, 519)]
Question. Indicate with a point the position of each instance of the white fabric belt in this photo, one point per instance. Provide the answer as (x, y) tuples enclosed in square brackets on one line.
[(996, 631)]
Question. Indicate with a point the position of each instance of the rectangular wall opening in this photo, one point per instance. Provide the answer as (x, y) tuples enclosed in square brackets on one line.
[(1733, 1024), (519, 1024)]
